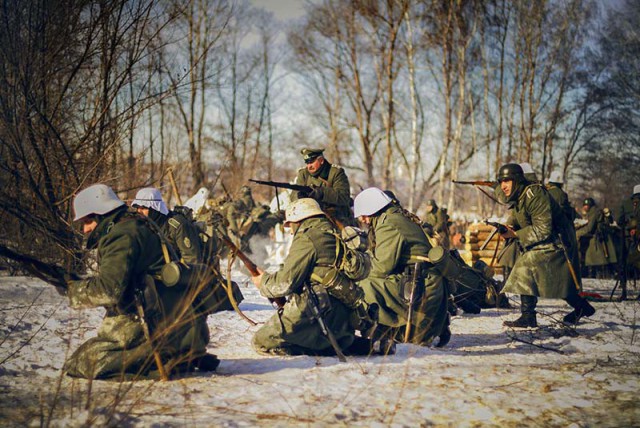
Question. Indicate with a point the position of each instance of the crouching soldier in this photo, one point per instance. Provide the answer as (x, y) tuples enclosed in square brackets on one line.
[(409, 291), (147, 326), (296, 328)]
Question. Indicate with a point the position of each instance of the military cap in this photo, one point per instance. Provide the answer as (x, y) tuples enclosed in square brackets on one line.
[(310, 154)]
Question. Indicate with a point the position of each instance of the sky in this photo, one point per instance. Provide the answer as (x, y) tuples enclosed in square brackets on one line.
[(282, 9)]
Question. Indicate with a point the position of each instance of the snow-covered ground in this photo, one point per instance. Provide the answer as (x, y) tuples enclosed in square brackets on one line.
[(486, 376)]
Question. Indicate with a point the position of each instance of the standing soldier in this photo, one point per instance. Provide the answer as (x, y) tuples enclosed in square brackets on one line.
[(330, 186), (130, 257), (542, 270), (629, 222), (398, 266), (436, 224), (596, 243), (294, 329)]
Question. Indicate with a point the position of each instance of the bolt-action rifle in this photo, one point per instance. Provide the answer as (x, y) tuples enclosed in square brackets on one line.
[(500, 228), (251, 266), (282, 185), (477, 182), (315, 309)]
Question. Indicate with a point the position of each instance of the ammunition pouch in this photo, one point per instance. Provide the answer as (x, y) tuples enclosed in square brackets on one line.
[(340, 287)]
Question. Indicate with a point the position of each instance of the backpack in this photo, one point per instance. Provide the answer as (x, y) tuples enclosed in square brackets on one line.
[(351, 264)]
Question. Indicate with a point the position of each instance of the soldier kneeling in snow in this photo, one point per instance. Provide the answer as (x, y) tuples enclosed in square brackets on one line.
[(130, 259)]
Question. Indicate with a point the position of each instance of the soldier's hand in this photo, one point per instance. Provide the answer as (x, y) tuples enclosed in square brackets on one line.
[(317, 193), (509, 233), (257, 280)]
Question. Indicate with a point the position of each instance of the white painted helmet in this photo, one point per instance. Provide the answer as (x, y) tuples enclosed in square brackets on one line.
[(527, 168), (96, 199), (636, 189), (556, 177), (301, 209), (150, 197), (370, 201)]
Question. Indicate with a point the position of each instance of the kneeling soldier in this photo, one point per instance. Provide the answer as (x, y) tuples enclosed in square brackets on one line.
[(297, 328)]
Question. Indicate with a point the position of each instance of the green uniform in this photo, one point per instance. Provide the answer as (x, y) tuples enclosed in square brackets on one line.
[(596, 235), (335, 198), (397, 241), (562, 199), (313, 250), (181, 233), (129, 254), (437, 219), (542, 269), (629, 219)]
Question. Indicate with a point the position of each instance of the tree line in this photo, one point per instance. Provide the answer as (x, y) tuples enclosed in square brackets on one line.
[(406, 95)]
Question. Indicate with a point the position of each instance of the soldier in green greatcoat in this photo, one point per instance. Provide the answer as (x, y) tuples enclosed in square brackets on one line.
[(330, 186), (542, 230), (436, 224), (398, 244), (130, 259), (554, 187), (629, 221), (294, 330), (596, 239)]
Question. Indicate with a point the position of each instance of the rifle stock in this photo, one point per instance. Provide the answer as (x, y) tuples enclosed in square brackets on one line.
[(251, 266)]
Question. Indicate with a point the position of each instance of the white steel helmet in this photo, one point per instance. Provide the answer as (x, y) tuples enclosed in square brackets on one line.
[(301, 209), (527, 168), (96, 199), (370, 201), (556, 177), (150, 197), (636, 189)]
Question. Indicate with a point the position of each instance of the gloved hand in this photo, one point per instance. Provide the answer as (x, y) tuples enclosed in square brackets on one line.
[(317, 193)]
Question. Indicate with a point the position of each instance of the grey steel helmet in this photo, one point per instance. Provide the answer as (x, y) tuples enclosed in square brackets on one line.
[(510, 171), (589, 202), (97, 199)]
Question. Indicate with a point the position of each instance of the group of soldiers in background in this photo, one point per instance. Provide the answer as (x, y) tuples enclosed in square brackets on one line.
[(340, 290)]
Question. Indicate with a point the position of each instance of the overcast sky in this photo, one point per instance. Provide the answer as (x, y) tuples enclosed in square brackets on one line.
[(283, 9)]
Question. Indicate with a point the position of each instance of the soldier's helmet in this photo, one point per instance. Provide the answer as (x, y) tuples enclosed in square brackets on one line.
[(556, 177), (590, 202), (150, 197), (370, 201), (636, 190), (245, 190), (302, 209), (97, 199), (510, 171)]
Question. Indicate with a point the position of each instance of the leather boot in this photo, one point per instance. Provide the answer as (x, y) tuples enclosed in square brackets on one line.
[(445, 334), (526, 320), (528, 317), (582, 309)]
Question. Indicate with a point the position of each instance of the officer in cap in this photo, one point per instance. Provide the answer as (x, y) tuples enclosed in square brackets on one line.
[(329, 184)]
